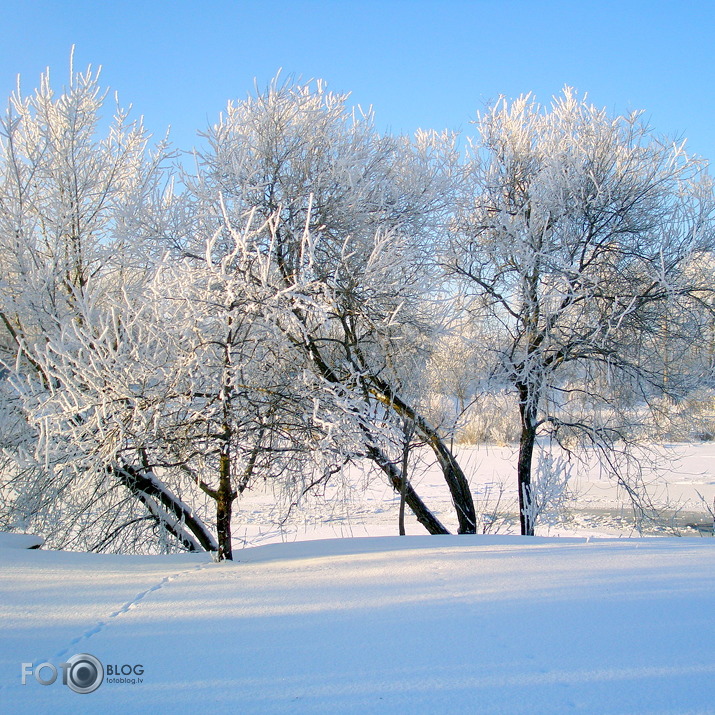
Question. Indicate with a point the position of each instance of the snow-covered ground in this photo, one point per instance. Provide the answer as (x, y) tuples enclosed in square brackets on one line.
[(483, 624)]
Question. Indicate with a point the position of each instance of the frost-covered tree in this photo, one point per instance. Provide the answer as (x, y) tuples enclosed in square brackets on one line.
[(573, 241), (353, 215), (140, 395), (181, 395), (79, 205), (282, 314)]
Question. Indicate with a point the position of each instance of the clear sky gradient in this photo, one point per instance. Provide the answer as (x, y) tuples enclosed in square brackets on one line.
[(419, 63)]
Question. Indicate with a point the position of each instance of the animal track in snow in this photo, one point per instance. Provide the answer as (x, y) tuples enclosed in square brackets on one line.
[(128, 606)]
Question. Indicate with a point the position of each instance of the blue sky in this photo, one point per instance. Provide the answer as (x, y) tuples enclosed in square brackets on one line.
[(420, 63)]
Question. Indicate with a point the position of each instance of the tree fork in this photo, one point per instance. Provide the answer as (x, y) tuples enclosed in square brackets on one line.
[(418, 507)]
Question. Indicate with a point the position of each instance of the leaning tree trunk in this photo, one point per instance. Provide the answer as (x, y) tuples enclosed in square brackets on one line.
[(173, 514), (419, 508), (455, 478), (453, 475)]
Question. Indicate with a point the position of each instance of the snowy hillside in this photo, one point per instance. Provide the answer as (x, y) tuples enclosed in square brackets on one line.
[(489, 624)]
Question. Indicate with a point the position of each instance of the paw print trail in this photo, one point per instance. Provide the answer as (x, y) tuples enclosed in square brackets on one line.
[(128, 606)]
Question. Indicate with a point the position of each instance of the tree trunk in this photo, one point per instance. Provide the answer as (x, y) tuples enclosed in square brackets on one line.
[(526, 454), (224, 507), (456, 481), (403, 488)]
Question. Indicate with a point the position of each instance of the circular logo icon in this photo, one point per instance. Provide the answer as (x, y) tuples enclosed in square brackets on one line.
[(85, 673)]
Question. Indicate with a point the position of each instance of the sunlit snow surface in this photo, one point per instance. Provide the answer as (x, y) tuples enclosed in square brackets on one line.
[(421, 624), (449, 624)]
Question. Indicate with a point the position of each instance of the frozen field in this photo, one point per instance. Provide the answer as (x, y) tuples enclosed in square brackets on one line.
[(421, 624), (676, 475)]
